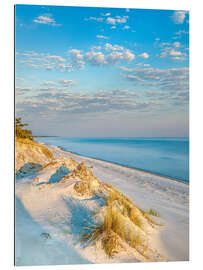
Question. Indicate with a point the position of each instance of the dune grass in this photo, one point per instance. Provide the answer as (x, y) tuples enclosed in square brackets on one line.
[(123, 223), (46, 151), (128, 208), (32, 143), (83, 188), (152, 212), (119, 213), (135, 218), (111, 243)]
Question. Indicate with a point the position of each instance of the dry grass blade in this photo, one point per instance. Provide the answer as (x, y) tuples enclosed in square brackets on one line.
[(111, 243), (123, 221), (135, 217)]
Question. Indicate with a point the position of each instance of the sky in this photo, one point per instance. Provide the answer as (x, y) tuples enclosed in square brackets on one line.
[(102, 72)]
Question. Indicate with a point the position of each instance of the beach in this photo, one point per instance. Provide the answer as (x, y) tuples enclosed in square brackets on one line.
[(46, 209), (102, 155)]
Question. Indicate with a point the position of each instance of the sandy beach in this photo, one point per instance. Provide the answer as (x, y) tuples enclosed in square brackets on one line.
[(50, 218)]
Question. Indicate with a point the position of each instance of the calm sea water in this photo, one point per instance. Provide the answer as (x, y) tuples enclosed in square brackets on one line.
[(165, 156)]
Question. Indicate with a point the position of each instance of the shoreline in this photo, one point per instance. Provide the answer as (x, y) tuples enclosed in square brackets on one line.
[(123, 166), (169, 198), (55, 209)]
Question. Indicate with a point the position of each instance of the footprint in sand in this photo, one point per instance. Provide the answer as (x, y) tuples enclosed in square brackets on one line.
[(45, 236)]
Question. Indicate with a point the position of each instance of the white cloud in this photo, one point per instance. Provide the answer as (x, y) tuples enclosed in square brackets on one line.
[(114, 57), (163, 44), (96, 48), (144, 55), (121, 20), (110, 47), (116, 20), (180, 33), (176, 44), (48, 83), (102, 37), (126, 69), (76, 102), (117, 54), (175, 53), (67, 83), (106, 14), (77, 58), (20, 80), (134, 78), (56, 57), (95, 58), (94, 19), (111, 20), (178, 17), (173, 79), (46, 19), (128, 55), (181, 58), (76, 54), (23, 88)]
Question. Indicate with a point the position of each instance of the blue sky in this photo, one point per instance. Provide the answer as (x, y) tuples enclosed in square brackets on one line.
[(84, 71)]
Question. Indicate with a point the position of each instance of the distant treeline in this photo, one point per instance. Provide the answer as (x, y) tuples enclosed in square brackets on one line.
[(44, 136), (20, 131)]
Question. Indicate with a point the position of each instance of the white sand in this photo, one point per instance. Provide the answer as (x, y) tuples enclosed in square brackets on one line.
[(50, 208)]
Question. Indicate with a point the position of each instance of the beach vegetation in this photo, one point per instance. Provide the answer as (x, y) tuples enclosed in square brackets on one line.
[(33, 147), (152, 212), (83, 188), (122, 223)]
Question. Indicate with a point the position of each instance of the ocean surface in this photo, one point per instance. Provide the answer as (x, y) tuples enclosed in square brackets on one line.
[(164, 156)]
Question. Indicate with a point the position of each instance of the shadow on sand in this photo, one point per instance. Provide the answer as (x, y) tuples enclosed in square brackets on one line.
[(27, 169), (33, 249)]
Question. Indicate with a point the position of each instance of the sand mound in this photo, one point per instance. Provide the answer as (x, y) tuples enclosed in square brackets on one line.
[(81, 173), (115, 225), (69, 163), (27, 151), (123, 224), (55, 170)]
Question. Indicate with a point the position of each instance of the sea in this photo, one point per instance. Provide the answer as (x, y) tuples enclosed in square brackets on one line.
[(163, 156)]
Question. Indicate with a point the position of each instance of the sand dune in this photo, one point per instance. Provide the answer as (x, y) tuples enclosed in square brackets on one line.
[(51, 217)]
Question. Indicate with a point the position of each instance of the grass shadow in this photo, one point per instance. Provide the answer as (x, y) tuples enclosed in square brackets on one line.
[(32, 248), (81, 217), (59, 174)]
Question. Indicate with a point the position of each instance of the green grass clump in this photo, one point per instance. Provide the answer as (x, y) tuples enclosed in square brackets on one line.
[(152, 212)]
